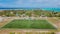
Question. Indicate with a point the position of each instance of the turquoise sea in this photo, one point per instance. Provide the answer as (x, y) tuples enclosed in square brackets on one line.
[(50, 9)]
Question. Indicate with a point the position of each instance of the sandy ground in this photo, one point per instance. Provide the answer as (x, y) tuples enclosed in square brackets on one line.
[(7, 31), (5, 21), (53, 20)]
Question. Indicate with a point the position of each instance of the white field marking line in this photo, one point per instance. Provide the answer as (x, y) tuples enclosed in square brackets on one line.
[(52, 23), (7, 23), (57, 20)]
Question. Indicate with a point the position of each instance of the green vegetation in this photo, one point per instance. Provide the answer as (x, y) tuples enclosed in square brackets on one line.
[(12, 32), (19, 33), (29, 13), (29, 24), (29, 32), (58, 17), (33, 32)]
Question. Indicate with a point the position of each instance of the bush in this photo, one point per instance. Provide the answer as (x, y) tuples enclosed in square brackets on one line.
[(12, 32), (29, 32), (19, 32)]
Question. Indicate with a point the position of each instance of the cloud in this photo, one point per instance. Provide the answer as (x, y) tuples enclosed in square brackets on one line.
[(30, 3)]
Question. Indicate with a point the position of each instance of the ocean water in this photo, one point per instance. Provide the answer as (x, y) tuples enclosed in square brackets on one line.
[(52, 9), (49, 9)]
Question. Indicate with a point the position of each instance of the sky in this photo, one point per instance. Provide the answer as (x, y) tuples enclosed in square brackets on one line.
[(30, 3)]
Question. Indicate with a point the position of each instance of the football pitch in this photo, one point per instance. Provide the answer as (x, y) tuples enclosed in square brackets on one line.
[(29, 24)]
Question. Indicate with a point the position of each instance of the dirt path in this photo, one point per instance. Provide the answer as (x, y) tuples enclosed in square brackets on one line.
[(5, 21), (55, 21), (7, 31)]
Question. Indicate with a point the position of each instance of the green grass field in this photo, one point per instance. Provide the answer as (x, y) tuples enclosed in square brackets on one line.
[(29, 24)]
